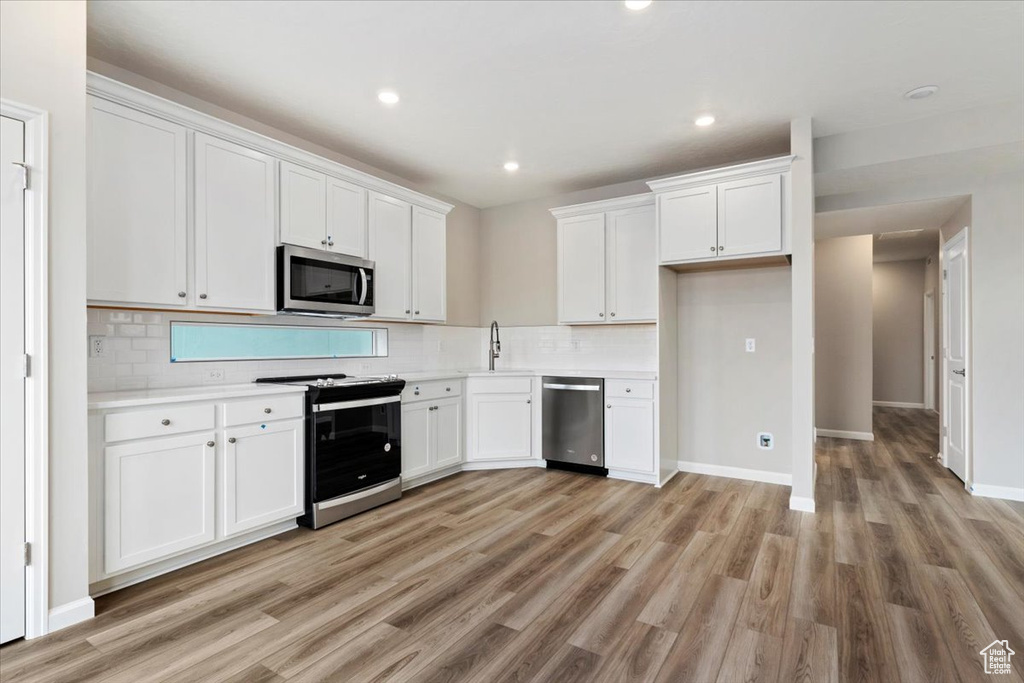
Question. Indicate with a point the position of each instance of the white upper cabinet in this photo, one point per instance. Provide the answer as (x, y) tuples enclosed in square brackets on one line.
[(391, 251), (581, 269), (137, 208), (346, 218), (632, 280), (750, 216), (607, 263), (726, 213), (303, 207), (689, 224), (234, 226), (429, 249)]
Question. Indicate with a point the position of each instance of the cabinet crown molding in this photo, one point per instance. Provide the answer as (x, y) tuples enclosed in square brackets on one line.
[(115, 91), (629, 202), (716, 175)]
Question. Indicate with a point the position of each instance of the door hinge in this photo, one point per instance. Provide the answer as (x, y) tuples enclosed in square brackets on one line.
[(24, 173), (26, 366), (28, 554), (944, 273)]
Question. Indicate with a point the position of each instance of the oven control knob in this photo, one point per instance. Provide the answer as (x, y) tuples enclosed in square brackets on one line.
[(387, 448)]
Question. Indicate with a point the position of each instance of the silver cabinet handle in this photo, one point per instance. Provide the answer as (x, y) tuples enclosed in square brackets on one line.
[(628, 390), (529, 401), (613, 314), (416, 393), (202, 296), (165, 422), (712, 248), (416, 312), (267, 411), (231, 439), (323, 242), (330, 243), (181, 295), (447, 388), (721, 248), (962, 373), (601, 314), (608, 406), (407, 311), (211, 444)]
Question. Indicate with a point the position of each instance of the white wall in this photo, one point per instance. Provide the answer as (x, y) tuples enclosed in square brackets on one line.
[(726, 395), (42, 64), (842, 333), (898, 319)]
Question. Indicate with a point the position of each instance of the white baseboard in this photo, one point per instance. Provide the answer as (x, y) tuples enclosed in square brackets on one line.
[(897, 404), (843, 434), (413, 482), (641, 477), (70, 614), (502, 464), (1003, 492), (736, 472), (671, 473), (801, 503)]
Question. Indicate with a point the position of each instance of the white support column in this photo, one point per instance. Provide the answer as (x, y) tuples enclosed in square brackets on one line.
[(802, 146)]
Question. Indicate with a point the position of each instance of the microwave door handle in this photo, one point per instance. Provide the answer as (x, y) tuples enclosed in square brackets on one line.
[(362, 278)]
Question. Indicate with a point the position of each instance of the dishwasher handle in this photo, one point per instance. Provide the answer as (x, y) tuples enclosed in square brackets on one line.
[(573, 387)]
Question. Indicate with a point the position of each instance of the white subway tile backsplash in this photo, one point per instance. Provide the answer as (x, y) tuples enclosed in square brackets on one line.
[(157, 330), (131, 330), (130, 356)]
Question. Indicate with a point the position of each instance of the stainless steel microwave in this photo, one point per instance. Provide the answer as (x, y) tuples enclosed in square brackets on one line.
[(314, 282)]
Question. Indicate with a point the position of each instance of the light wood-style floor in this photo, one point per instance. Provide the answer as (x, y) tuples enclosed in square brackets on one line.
[(531, 575)]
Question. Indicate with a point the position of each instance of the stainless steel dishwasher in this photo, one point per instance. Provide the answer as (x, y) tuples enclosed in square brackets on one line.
[(572, 410)]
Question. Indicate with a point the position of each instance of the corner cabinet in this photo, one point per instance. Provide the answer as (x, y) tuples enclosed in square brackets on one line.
[(503, 419), (607, 262), (727, 214), (185, 211), (408, 246), (173, 483)]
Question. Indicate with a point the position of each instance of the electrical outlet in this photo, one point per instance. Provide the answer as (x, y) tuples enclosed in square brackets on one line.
[(214, 375), (765, 441), (364, 367), (751, 345), (575, 344), (97, 349)]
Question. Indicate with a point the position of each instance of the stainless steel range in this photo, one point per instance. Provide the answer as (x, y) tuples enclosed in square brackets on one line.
[(353, 444)]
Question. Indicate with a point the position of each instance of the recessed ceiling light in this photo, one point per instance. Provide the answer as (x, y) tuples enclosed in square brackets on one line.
[(705, 120), (922, 92), (388, 96), (511, 166), (637, 5)]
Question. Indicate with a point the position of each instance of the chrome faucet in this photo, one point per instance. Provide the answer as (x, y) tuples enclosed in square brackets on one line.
[(495, 349)]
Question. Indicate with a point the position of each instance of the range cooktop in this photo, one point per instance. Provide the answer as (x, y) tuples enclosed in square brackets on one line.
[(323, 381)]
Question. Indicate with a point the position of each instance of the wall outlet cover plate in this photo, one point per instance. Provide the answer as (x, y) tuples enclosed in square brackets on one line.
[(765, 441)]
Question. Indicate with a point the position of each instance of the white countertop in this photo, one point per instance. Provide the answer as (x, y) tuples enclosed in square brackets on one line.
[(141, 397)]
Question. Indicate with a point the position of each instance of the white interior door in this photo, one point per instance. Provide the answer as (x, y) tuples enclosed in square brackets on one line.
[(956, 345), (12, 380), (929, 350)]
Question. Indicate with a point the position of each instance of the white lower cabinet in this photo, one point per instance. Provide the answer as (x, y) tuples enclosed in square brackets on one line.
[(431, 429), (163, 494), (262, 475), (158, 499), (629, 430), (501, 419)]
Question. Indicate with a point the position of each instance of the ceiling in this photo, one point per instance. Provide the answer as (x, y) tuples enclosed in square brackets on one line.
[(582, 94), (927, 216)]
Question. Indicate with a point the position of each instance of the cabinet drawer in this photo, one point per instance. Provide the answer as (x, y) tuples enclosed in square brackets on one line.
[(628, 388), (262, 410), (501, 385), (142, 424), (432, 390)]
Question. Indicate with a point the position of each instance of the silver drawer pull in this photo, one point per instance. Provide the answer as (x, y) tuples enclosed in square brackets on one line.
[(211, 444), (628, 390), (165, 422), (267, 411), (231, 439)]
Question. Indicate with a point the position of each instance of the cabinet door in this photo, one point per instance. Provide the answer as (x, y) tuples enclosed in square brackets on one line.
[(158, 499), (417, 439), (581, 269), (303, 206), (750, 216), (429, 255), (629, 435), (632, 265), (448, 433), (234, 223), (391, 250), (263, 474), (346, 218), (137, 204), (688, 224), (502, 427)]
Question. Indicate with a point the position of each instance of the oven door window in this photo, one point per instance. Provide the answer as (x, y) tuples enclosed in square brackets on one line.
[(324, 282), (356, 448)]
